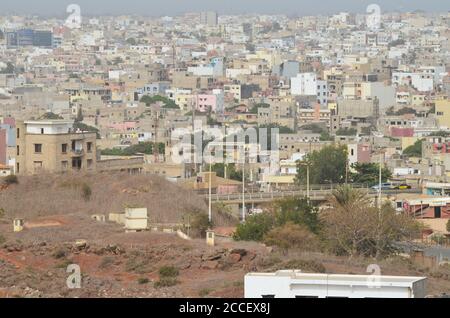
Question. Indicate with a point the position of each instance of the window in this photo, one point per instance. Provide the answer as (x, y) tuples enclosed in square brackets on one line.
[(38, 148), (18, 132), (17, 167), (18, 150), (64, 148), (37, 166), (89, 147), (42, 131), (64, 165), (89, 163)]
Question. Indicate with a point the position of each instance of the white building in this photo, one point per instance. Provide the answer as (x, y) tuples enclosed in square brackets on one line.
[(308, 84), (294, 284), (423, 82)]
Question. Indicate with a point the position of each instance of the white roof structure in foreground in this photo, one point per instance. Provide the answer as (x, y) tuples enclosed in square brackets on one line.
[(295, 284)]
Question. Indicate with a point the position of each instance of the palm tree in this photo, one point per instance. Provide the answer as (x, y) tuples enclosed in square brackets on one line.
[(346, 196)]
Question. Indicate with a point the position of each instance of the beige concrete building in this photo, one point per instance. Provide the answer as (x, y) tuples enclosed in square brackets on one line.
[(53, 146)]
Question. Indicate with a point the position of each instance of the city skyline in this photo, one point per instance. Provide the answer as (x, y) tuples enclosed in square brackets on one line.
[(177, 7)]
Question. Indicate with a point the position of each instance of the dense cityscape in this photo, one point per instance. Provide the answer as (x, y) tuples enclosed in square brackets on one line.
[(226, 156)]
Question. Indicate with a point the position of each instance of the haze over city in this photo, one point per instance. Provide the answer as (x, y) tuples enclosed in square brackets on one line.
[(242, 149), (175, 7)]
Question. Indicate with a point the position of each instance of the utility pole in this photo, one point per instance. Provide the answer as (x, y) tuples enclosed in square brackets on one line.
[(379, 181), (307, 181), (156, 146), (210, 192), (243, 189)]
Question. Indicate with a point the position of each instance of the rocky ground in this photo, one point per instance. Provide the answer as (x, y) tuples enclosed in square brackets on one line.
[(60, 232), (33, 263)]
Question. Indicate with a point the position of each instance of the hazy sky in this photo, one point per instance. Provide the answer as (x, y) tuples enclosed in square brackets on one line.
[(173, 7)]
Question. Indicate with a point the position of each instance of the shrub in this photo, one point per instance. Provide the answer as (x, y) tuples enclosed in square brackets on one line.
[(2, 213), (448, 226), (200, 224), (86, 192), (168, 271), (254, 228), (204, 292), (136, 265), (166, 282), (2, 239), (292, 236), (11, 179), (59, 254), (143, 280)]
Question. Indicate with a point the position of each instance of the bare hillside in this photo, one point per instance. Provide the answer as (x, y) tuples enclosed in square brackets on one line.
[(99, 193)]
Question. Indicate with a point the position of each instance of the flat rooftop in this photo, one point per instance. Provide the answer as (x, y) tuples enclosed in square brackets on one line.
[(300, 277)]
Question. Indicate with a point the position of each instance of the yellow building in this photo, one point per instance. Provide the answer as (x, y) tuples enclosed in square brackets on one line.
[(53, 146), (443, 113)]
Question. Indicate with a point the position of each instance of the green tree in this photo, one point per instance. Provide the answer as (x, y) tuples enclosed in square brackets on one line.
[(327, 165), (346, 132), (254, 109), (232, 172), (254, 228), (368, 173), (141, 148), (297, 210), (200, 224), (167, 102), (414, 150)]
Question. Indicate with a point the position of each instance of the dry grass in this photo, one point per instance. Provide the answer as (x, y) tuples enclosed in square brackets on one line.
[(46, 195)]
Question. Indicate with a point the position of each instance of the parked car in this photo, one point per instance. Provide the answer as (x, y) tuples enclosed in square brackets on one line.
[(403, 186), (384, 186)]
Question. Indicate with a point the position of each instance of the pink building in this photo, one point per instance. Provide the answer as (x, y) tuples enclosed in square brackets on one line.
[(402, 132), (125, 126), (213, 101), (3, 146)]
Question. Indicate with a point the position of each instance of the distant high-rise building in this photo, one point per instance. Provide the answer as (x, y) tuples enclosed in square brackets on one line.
[(209, 18), (43, 38), (29, 37)]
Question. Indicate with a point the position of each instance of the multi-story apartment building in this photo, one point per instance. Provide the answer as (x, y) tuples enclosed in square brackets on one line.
[(53, 146), (309, 84)]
